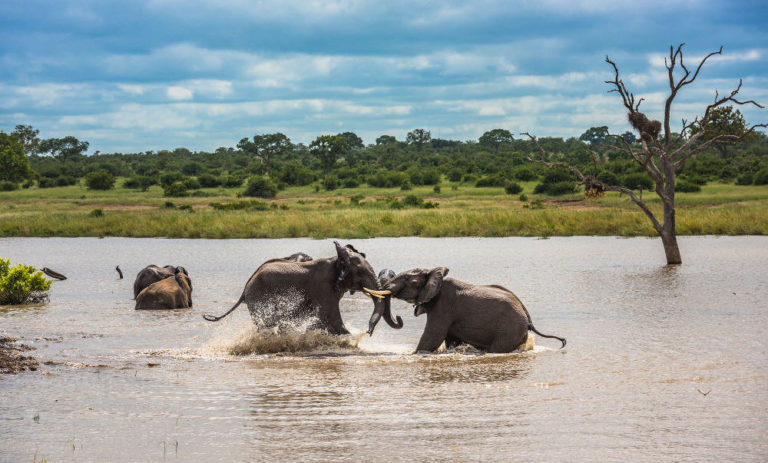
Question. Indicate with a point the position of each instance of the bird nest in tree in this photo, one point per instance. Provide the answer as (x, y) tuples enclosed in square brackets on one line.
[(593, 188)]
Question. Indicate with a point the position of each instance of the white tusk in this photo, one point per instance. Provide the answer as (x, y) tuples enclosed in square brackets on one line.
[(379, 294)]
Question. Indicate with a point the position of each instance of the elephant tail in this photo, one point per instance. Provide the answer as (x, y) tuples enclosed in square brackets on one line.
[(531, 328), (213, 318)]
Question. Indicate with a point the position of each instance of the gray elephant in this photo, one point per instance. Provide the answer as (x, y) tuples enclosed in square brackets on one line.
[(489, 318), (153, 273), (298, 257), (169, 293), (283, 290)]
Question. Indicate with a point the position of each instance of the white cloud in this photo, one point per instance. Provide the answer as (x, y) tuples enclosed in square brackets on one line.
[(179, 93)]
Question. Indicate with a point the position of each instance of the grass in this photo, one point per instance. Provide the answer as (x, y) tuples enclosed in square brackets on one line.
[(719, 209)]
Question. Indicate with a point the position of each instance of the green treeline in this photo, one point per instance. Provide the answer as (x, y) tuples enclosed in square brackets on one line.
[(268, 163)]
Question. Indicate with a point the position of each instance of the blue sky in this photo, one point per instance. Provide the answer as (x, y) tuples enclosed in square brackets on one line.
[(160, 74)]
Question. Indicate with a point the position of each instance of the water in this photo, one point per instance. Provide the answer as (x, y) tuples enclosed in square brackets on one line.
[(645, 344)]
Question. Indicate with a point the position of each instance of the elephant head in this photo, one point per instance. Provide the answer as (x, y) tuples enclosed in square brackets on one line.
[(356, 274), (418, 286), (186, 285)]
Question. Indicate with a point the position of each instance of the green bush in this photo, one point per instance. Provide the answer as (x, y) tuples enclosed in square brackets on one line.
[(632, 181), (260, 187), (413, 201), (406, 186), (175, 190), (745, 179), (140, 182), (761, 178), (100, 180), (455, 174), (232, 181), (469, 178), (683, 186), (350, 183), (191, 183), (524, 174), (21, 284), (436, 189), (512, 188), (8, 186), (523, 197), (608, 177), (97, 213), (386, 179), (330, 183), (560, 188), (208, 181), (66, 180), (170, 178), (46, 182)]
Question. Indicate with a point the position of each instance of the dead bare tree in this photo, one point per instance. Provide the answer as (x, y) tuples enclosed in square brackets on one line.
[(662, 157)]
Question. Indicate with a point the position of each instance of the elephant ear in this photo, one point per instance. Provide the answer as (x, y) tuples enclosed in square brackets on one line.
[(343, 263), (433, 285)]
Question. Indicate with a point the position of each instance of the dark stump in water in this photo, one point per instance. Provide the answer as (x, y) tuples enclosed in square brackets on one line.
[(11, 359)]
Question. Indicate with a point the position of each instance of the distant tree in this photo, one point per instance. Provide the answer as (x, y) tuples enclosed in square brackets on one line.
[(328, 148), (629, 137), (260, 187), (64, 149), (353, 141), (595, 136), (418, 138), (662, 153), (723, 121), (495, 138), (385, 140), (266, 147), (27, 136), (14, 165)]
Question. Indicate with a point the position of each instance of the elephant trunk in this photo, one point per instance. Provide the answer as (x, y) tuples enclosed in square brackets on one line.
[(382, 307)]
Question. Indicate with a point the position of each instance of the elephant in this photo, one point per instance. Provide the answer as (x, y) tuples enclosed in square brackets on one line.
[(169, 293), (281, 289), (490, 318), (298, 257), (153, 273)]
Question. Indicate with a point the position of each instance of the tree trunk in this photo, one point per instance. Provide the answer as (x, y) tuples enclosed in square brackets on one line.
[(669, 239), (669, 229)]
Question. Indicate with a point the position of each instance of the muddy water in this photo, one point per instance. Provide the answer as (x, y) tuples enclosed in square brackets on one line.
[(645, 344)]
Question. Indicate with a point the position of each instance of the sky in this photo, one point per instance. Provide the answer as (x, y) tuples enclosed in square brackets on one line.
[(132, 76)]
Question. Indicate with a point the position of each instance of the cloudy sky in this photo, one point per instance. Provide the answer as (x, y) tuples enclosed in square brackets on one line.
[(159, 74)]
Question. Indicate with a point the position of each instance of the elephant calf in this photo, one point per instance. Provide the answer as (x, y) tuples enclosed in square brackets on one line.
[(153, 273), (490, 318), (170, 293)]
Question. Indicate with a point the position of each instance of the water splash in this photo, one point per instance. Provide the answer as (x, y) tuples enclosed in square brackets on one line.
[(258, 341)]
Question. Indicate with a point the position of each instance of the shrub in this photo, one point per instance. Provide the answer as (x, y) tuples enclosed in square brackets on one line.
[(169, 178), (406, 186), (260, 187), (176, 189), (330, 183), (683, 186), (350, 182), (608, 177), (97, 213), (100, 180), (560, 188), (241, 205), (696, 180), (208, 181), (523, 197), (8, 186), (193, 168), (431, 176), (744, 179), (455, 174), (469, 178), (65, 180), (761, 177), (47, 182), (191, 183), (232, 181), (524, 174), (436, 189), (513, 188), (142, 182), (412, 201), (386, 179), (21, 284), (632, 181)]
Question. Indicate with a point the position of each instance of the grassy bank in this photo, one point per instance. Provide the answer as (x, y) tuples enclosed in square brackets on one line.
[(718, 209)]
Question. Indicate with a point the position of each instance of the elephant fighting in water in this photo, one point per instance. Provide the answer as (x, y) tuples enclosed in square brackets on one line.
[(490, 318), (285, 290), (174, 292), (153, 273)]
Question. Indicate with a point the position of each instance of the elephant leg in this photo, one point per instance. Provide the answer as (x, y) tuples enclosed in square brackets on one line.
[(331, 318), (435, 333), (452, 341)]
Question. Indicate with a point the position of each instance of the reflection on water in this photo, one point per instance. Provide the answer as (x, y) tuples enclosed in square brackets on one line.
[(659, 359)]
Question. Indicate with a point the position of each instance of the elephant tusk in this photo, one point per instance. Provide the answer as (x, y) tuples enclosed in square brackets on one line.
[(379, 294), (367, 295)]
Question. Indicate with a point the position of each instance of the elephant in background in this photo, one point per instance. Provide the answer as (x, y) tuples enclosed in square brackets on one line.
[(489, 318), (281, 289), (169, 293), (298, 257), (153, 273)]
